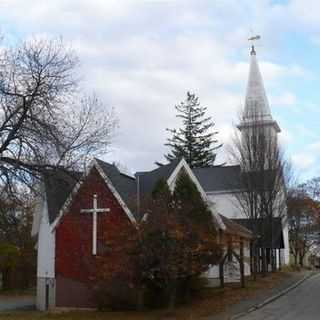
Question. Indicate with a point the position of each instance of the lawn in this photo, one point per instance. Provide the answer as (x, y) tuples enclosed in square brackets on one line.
[(209, 301)]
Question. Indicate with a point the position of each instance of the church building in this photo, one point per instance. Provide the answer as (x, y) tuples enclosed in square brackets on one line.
[(76, 209), (75, 213)]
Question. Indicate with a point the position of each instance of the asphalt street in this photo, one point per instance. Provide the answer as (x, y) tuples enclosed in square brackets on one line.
[(301, 303)]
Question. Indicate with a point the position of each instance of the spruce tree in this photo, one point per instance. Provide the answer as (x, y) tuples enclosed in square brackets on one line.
[(195, 140), (190, 202), (161, 190)]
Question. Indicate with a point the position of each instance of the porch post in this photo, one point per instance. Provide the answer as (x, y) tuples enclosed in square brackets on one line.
[(221, 273), (251, 258), (242, 264), (279, 257), (221, 263)]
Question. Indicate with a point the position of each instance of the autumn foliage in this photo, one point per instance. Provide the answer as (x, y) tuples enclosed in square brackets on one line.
[(175, 242), (303, 221)]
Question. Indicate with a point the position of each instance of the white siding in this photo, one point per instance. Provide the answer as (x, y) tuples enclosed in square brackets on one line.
[(46, 258), (286, 251), (46, 246), (231, 269), (226, 204)]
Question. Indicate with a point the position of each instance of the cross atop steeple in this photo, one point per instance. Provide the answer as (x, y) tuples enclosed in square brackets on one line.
[(253, 51), (252, 39)]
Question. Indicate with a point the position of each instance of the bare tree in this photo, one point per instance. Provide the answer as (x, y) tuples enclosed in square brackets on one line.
[(312, 188), (45, 120), (264, 172)]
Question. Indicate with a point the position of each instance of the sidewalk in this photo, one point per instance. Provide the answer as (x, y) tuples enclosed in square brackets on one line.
[(261, 296)]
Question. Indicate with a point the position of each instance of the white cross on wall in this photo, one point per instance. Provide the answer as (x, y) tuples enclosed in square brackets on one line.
[(95, 210)]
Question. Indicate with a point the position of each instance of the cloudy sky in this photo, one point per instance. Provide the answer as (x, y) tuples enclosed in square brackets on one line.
[(142, 56)]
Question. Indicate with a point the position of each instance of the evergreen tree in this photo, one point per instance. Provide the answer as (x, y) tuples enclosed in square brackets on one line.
[(195, 140), (161, 191), (191, 205)]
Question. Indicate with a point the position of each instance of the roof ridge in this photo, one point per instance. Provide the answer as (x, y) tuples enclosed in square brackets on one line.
[(107, 163), (216, 167), (173, 162), (127, 175)]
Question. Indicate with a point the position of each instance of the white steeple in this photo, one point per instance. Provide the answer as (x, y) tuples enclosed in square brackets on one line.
[(256, 108)]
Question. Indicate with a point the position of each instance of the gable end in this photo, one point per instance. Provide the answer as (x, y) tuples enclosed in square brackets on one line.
[(76, 188)]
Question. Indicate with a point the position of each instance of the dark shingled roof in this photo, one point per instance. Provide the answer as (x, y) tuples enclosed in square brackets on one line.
[(233, 227), (219, 178), (147, 180), (267, 232), (58, 185), (124, 184)]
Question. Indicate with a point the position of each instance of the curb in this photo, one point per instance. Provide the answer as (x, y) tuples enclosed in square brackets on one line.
[(274, 297)]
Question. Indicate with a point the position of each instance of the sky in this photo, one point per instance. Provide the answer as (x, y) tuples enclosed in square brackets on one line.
[(142, 56)]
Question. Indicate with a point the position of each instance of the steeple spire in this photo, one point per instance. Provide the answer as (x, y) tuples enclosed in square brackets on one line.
[(256, 103), (256, 106)]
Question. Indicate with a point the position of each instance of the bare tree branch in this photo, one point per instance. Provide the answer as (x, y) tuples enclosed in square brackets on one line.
[(44, 121)]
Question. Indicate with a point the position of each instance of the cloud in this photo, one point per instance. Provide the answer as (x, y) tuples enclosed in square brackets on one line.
[(142, 56), (305, 12), (287, 99), (315, 147), (285, 138), (303, 161), (306, 161)]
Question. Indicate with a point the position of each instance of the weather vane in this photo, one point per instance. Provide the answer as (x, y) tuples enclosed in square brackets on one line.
[(253, 39)]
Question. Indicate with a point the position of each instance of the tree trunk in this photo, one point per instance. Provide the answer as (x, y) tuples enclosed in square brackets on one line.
[(172, 295), (187, 290), (264, 261), (7, 279), (251, 258), (301, 257), (254, 261), (140, 299), (259, 257), (221, 273), (279, 257), (274, 260), (242, 265)]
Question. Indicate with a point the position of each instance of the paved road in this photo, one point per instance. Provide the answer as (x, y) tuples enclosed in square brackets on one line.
[(16, 303), (302, 303)]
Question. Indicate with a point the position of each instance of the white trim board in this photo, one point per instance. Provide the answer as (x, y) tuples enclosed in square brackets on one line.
[(232, 191)]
